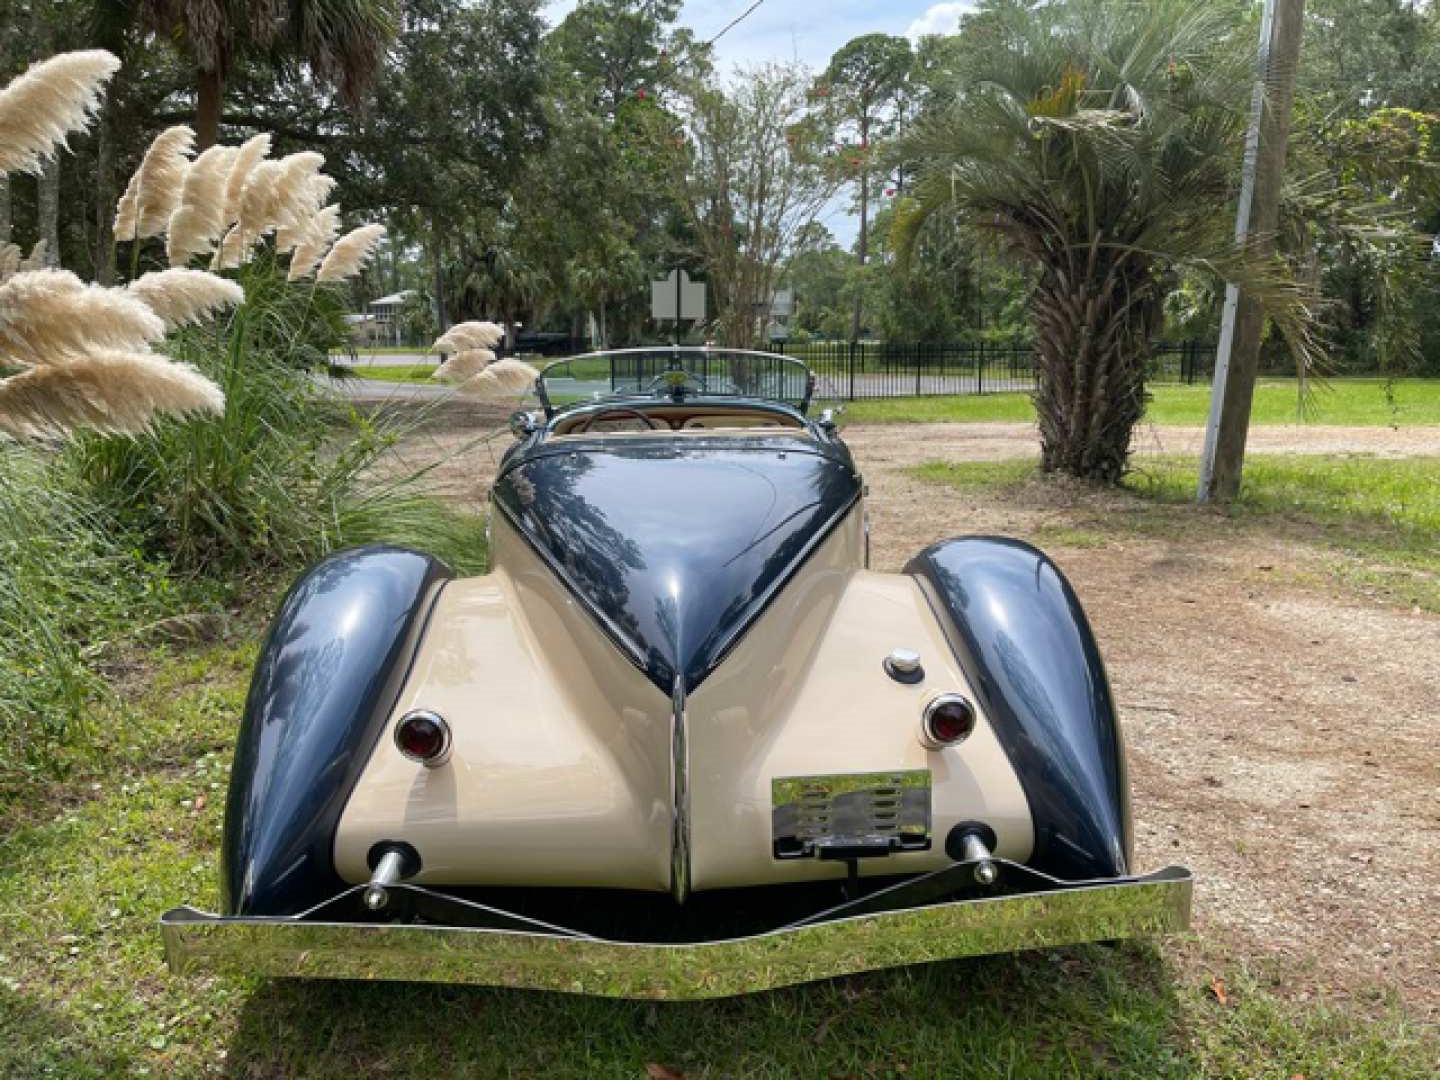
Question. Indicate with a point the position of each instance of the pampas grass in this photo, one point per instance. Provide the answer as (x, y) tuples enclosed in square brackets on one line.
[(314, 242), (39, 257), (350, 253), (469, 335), (504, 378), (251, 153), (108, 390), (52, 98), (160, 181), (13, 260), (127, 209), (185, 297), (199, 220), (464, 365), (47, 316)]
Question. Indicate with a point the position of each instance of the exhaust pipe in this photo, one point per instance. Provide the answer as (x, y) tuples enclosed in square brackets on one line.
[(389, 869), (973, 849)]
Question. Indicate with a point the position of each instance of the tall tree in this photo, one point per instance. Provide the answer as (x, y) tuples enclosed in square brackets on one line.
[(342, 42), (1098, 142), (456, 118), (860, 86), (752, 180)]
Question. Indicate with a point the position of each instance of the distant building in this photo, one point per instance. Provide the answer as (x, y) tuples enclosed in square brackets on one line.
[(382, 319)]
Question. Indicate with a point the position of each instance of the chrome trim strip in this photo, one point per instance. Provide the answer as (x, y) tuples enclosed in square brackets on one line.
[(679, 795), (1153, 904)]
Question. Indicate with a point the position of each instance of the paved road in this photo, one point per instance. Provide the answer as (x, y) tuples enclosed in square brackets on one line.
[(357, 389)]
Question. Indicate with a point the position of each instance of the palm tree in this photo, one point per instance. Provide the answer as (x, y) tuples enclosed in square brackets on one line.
[(342, 41), (1099, 142)]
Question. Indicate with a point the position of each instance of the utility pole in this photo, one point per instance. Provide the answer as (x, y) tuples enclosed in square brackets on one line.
[(1237, 357)]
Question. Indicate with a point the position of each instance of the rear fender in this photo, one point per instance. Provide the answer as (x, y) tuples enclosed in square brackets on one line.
[(327, 679), (1024, 643)]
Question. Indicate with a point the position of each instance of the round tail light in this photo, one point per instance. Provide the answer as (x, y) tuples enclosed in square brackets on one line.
[(948, 719), (423, 736)]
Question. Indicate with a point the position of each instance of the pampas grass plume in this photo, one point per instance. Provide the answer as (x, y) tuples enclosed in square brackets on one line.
[(49, 315), (469, 335), (504, 378), (161, 179), (10, 256), (185, 297), (107, 390), (350, 253), (127, 209), (251, 153), (52, 98), (464, 365), (310, 248), (200, 218)]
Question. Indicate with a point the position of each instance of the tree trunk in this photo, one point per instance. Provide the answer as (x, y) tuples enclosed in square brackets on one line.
[(209, 88), (862, 248), (47, 209), (105, 193), (437, 278), (4, 209), (1092, 340)]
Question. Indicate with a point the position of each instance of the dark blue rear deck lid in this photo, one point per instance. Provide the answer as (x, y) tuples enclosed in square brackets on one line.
[(677, 546)]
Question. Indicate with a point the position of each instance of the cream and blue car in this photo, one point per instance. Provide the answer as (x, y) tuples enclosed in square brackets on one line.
[(680, 741)]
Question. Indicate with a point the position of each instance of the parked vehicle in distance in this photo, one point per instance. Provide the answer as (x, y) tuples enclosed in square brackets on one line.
[(680, 741)]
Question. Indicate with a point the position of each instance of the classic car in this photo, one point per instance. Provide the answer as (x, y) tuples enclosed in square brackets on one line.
[(680, 741)]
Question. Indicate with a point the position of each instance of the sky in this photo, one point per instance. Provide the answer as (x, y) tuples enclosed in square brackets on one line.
[(806, 30)]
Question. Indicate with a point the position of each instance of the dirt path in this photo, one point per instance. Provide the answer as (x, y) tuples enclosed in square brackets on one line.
[(1284, 731), (997, 442)]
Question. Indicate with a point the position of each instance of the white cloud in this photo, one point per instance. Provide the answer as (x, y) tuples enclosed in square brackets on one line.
[(939, 19)]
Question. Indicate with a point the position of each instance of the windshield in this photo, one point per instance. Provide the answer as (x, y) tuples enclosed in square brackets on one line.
[(676, 374)]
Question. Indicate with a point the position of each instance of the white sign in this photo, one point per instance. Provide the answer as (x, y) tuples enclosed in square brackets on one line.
[(677, 292)]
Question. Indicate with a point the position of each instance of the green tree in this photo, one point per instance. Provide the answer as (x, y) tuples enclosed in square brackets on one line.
[(752, 178), (1098, 143), (860, 87), (341, 42)]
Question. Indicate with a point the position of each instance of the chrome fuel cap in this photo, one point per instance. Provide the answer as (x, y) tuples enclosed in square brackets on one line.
[(903, 665)]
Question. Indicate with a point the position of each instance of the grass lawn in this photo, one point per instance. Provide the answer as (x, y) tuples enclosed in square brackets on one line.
[(396, 373), (1403, 402), (1384, 513)]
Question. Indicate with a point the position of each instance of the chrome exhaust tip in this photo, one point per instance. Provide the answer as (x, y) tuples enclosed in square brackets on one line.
[(389, 870)]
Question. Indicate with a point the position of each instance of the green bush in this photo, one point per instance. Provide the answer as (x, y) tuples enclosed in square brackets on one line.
[(68, 585), (288, 473), (112, 533)]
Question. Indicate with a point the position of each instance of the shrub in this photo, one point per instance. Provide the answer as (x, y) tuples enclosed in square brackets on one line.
[(68, 585)]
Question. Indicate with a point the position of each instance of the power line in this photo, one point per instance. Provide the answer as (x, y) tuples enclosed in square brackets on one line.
[(735, 22)]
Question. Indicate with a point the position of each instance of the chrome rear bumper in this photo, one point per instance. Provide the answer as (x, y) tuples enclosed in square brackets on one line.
[(556, 959)]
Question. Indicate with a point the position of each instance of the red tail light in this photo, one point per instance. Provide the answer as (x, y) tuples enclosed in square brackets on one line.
[(423, 736), (948, 719)]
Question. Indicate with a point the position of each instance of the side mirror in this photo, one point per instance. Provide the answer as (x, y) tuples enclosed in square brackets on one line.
[(827, 420), (522, 424)]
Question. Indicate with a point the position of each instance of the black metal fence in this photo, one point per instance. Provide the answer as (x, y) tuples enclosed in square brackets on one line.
[(871, 369)]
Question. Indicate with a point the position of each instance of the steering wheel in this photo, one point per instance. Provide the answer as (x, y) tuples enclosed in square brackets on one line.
[(623, 409)]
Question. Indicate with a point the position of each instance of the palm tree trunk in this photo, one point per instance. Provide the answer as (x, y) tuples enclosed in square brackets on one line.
[(209, 88), (1093, 327), (47, 207)]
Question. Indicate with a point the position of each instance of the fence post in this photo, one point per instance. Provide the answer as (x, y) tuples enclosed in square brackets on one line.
[(980, 368), (851, 396)]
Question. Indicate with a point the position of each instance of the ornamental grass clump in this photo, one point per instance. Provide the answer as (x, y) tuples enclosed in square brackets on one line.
[(83, 352)]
